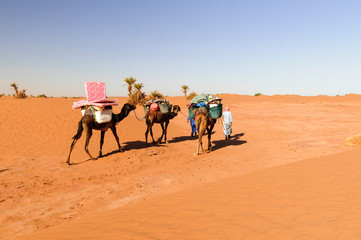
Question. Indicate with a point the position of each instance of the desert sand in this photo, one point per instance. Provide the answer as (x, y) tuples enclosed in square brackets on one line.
[(290, 171)]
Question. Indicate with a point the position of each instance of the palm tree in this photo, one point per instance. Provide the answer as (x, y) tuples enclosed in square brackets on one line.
[(185, 88), (138, 91), (16, 88), (138, 87), (129, 82)]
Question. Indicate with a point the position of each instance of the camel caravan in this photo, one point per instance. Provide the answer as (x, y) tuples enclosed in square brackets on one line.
[(97, 114)]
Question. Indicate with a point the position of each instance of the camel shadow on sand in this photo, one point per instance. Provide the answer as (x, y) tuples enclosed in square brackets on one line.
[(126, 146), (182, 139), (132, 145), (4, 170), (185, 138), (233, 141), (97, 158)]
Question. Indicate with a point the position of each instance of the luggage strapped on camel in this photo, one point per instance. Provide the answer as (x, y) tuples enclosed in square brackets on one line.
[(210, 102), (163, 106), (97, 104)]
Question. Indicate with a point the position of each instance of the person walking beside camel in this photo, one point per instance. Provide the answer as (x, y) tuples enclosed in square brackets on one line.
[(193, 126), (227, 122)]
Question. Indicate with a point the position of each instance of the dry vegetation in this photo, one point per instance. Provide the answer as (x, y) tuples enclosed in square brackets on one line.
[(136, 94), (18, 94), (191, 95)]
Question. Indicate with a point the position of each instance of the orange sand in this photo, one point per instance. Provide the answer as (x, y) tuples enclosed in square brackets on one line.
[(165, 192)]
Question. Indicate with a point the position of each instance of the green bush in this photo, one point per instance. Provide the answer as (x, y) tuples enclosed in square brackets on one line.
[(258, 94)]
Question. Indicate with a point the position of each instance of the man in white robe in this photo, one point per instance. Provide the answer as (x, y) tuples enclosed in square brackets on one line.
[(227, 123)]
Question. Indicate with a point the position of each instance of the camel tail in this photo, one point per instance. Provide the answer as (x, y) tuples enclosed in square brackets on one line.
[(80, 130)]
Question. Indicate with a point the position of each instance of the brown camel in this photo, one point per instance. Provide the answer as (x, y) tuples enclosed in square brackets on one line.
[(88, 123), (161, 118), (204, 122)]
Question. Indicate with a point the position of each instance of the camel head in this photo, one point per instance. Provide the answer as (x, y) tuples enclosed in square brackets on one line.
[(129, 107), (175, 111), (176, 108)]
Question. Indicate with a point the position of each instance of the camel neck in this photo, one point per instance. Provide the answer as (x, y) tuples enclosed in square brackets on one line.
[(123, 114), (173, 115)]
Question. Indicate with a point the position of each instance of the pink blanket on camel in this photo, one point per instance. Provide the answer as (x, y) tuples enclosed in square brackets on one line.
[(96, 96)]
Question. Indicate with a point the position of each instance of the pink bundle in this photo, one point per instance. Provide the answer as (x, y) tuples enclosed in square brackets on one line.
[(96, 96)]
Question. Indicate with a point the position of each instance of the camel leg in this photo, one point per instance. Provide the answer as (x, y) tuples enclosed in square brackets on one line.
[(209, 137), (200, 144), (114, 131), (75, 139), (149, 129), (71, 149), (165, 131), (146, 135), (102, 133), (161, 137), (198, 124), (151, 132), (89, 133), (202, 129)]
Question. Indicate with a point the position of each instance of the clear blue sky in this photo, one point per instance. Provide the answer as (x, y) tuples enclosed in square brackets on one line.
[(243, 47)]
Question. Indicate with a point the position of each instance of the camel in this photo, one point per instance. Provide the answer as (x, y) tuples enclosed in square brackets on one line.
[(88, 123), (163, 119), (204, 122)]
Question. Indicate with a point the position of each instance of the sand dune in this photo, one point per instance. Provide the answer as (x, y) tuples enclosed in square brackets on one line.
[(311, 199), (38, 190)]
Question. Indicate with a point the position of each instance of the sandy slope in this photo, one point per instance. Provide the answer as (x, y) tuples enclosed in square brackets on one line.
[(38, 190), (311, 199)]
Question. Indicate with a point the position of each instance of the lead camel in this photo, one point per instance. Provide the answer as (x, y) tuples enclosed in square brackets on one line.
[(87, 123)]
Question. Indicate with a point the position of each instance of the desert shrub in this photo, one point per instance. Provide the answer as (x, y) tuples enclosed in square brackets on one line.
[(258, 94), (136, 95), (21, 95), (18, 94), (136, 98), (3, 94), (132, 99), (41, 96), (156, 95), (191, 95)]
